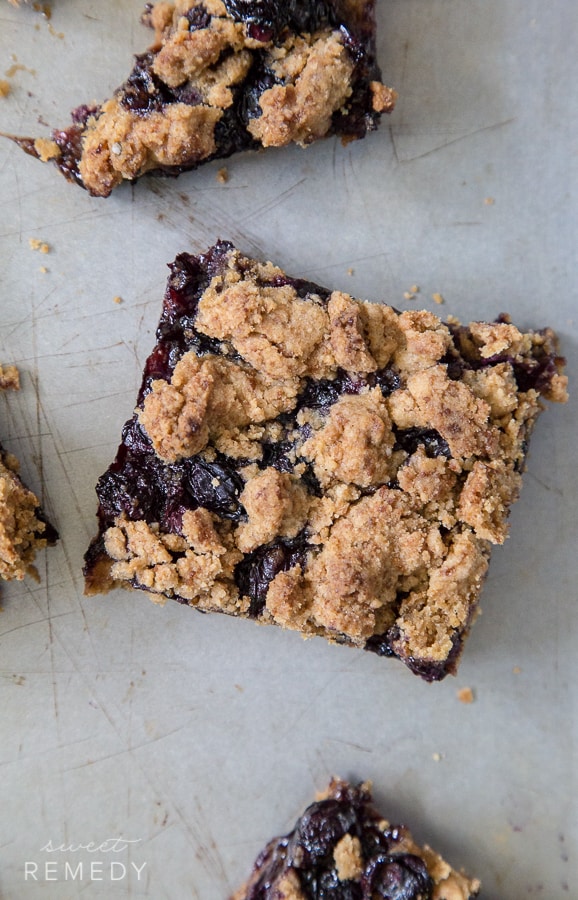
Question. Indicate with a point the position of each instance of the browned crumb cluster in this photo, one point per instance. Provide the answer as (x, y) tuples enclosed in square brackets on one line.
[(9, 378), (397, 535)]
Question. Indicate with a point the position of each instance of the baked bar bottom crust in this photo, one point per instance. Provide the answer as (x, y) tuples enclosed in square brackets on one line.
[(343, 849), (333, 466)]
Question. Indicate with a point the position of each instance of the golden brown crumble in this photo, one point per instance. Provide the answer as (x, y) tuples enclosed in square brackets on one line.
[(319, 74), (9, 378), (466, 695), (348, 858)]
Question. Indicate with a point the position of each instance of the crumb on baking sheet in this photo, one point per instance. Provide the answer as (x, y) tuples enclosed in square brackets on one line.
[(466, 695), (437, 298), (489, 201), (43, 269), (37, 244), (437, 757), (5, 88), (117, 300), (223, 175), (351, 271), (516, 670), (9, 378), (43, 8)]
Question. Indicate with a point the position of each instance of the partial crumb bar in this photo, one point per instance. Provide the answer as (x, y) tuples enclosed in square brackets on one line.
[(330, 465), (23, 528), (223, 77), (343, 847)]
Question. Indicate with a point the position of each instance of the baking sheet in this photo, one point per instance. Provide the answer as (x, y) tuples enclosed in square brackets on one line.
[(196, 738)]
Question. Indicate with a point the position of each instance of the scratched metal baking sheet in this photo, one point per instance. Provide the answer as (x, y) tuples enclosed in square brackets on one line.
[(172, 744)]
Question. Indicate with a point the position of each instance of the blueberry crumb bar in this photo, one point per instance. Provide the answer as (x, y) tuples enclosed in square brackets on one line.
[(225, 76), (23, 528), (342, 849), (334, 466)]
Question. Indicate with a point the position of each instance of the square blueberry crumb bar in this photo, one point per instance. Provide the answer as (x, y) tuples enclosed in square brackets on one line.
[(330, 465), (24, 529), (224, 76), (342, 848)]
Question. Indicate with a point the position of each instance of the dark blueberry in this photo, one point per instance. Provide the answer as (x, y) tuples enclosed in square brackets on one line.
[(410, 439), (397, 877), (325, 885), (319, 830), (311, 482), (354, 384), (262, 79), (133, 489), (380, 644), (455, 366), (257, 570), (275, 455), (143, 92), (275, 15), (535, 375), (198, 18), (319, 394), (215, 486), (49, 534), (388, 380)]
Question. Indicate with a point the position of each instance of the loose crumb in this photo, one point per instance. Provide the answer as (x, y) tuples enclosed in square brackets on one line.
[(117, 299), (410, 295), (9, 378), (223, 175), (5, 88), (437, 757), (437, 298), (37, 244), (489, 201), (466, 695), (43, 269), (516, 670), (351, 271), (43, 8)]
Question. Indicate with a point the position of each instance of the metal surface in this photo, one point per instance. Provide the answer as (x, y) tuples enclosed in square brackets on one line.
[(197, 738)]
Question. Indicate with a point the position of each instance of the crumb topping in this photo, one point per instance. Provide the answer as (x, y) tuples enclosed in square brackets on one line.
[(348, 858), (315, 75), (120, 144), (355, 443), (276, 504)]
